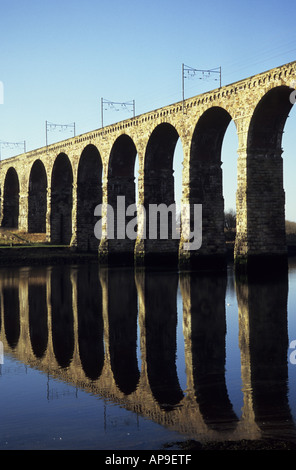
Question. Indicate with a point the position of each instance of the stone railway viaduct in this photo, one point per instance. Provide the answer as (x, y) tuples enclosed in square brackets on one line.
[(53, 190)]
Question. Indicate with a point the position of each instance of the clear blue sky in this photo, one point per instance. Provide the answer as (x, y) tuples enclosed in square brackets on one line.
[(59, 58)]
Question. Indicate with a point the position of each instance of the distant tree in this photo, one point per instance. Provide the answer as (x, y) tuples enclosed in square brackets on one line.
[(230, 220)]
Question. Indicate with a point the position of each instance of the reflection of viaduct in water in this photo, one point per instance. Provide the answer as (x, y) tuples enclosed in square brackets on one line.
[(68, 323)]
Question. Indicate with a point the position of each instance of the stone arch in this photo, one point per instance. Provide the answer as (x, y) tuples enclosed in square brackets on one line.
[(122, 157), (89, 195), (265, 197), (206, 182), (121, 182), (61, 200), (11, 200), (268, 120), (160, 148), (159, 189), (208, 136), (37, 199)]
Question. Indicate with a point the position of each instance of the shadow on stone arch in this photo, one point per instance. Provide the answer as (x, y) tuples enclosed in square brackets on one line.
[(37, 204), (121, 182), (159, 188), (61, 200), (264, 179), (89, 195), (11, 200), (206, 184)]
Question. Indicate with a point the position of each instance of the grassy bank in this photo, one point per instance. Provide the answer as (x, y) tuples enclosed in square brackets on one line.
[(22, 246)]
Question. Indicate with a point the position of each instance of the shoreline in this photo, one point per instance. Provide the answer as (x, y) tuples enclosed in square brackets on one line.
[(40, 255), (240, 445), (50, 254)]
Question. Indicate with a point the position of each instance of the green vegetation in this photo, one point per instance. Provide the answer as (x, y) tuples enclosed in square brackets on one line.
[(230, 226), (291, 233), (15, 238), (230, 229)]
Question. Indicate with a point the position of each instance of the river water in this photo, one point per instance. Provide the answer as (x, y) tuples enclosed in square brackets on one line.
[(124, 359)]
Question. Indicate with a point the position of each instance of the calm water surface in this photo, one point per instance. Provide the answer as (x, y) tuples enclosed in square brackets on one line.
[(99, 358)]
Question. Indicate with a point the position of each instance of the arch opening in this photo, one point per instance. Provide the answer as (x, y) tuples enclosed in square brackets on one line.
[(37, 203), (61, 201), (289, 170), (11, 200), (178, 159), (89, 195), (159, 189), (265, 200), (268, 121), (121, 195), (229, 157), (206, 179)]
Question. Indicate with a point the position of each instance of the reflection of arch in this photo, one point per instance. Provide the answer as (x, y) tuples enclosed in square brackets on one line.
[(206, 185), (161, 342), (121, 182), (37, 297), (159, 187), (122, 316), (204, 316), (90, 321), (263, 338), (37, 204), (265, 197), (11, 305), (11, 199), (62, 315), (61, 200), (206, 297), (89, 195)]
